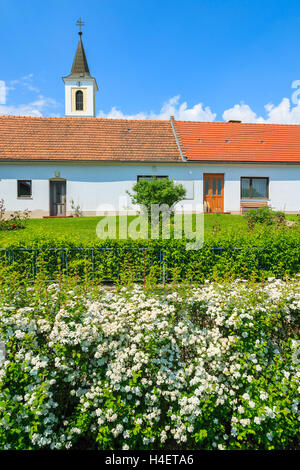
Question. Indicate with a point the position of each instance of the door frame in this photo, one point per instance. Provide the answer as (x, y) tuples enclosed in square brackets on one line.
[(223, 187), (56, 180)]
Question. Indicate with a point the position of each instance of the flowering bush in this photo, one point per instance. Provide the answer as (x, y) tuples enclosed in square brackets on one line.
[(212, 367), (264, 215), (13, 221)]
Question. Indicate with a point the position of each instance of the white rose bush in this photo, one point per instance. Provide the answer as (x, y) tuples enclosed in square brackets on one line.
[(208, 367)]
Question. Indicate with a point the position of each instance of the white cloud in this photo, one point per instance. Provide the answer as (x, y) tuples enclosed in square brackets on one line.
[(38, 106), (286, 112), (2, 92), (115, 113), (169, 108), (240, 112), (34, 108), (283, 113)]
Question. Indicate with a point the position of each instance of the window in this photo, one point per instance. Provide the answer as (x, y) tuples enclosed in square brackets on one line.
[(79, 100), (24, 188), (150, 177), (206, 183), (254, 188)]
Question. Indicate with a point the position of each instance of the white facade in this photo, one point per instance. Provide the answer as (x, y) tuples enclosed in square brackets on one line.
[(89, 88), (101, 187)]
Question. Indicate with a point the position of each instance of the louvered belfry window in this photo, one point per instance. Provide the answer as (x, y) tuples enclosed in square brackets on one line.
[(79, 100)]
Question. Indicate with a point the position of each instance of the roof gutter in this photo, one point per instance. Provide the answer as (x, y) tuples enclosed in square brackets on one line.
[(172, 121)]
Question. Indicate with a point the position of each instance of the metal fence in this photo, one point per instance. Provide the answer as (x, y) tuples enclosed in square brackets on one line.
[(62, 257), (29, 259)]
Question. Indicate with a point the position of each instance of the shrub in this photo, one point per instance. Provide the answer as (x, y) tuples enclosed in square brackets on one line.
[(157, 191), (215, 367), (14, 221), (76, 209), (264, 215)]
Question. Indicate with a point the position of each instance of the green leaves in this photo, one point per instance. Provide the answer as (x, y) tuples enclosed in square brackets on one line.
[(157, 191), (200, 435)]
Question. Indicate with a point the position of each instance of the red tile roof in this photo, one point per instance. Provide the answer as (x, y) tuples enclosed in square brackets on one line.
[(86, 139), (93, 139), (239, 142)]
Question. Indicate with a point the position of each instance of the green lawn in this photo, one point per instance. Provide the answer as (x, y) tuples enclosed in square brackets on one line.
[(84, 228)]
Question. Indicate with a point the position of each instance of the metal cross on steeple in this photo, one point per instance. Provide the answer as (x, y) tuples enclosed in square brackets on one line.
[(80, 23)]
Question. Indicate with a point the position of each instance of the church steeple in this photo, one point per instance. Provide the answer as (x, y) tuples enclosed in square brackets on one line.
[(80, 65), (80, 86)]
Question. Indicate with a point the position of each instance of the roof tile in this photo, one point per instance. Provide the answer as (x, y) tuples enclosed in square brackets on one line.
[(239, 142), (86, 139)]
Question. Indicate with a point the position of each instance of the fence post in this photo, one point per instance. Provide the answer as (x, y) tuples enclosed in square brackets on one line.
[(163, 267)]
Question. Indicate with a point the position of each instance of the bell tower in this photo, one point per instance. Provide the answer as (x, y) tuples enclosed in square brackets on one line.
[(80, 86)]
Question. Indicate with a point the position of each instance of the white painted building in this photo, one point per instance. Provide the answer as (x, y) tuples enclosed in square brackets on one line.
[(46, 163), (98, 187)]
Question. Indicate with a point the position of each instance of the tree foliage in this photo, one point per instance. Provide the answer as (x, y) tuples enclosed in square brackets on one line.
[(157, 191)]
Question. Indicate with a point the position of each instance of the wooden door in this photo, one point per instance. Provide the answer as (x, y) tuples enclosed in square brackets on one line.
[(57, 198), (213, 192)]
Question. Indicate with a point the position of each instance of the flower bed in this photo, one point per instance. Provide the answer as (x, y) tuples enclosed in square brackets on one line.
[(213, 367)]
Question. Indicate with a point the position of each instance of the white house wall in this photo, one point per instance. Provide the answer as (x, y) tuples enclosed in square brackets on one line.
[(102, 187)]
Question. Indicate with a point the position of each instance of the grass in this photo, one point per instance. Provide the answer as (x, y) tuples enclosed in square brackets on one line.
[(84, 228)]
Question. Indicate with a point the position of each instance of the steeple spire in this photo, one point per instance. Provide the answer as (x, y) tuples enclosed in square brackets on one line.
[(80, 86), (80, 66)]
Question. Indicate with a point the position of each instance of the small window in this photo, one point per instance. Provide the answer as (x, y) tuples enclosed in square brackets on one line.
[(254, 188), (214, 187), (24, 188), (79, 100), (206, 183), (150, 177)]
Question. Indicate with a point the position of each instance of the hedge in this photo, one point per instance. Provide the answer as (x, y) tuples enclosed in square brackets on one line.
[(264, 253)]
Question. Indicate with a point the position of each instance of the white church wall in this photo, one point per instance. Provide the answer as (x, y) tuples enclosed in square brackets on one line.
[(88, 86), (102, 187)]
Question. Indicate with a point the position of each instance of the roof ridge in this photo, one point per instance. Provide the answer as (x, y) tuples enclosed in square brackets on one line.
[(240, 123), (236, 125), (65, 118)]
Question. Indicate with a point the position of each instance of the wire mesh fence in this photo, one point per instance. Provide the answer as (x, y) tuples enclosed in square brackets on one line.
[(107, 264)]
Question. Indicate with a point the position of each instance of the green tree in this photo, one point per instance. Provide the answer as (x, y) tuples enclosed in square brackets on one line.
[(157, 191)]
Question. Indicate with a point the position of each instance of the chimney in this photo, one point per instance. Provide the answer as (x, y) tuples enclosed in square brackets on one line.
[(234, 120)]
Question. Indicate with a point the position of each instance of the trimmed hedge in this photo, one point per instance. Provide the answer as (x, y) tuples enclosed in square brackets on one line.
[(261, 253)]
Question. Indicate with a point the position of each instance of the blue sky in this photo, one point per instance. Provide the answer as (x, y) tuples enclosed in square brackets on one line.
[(197, 59)]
